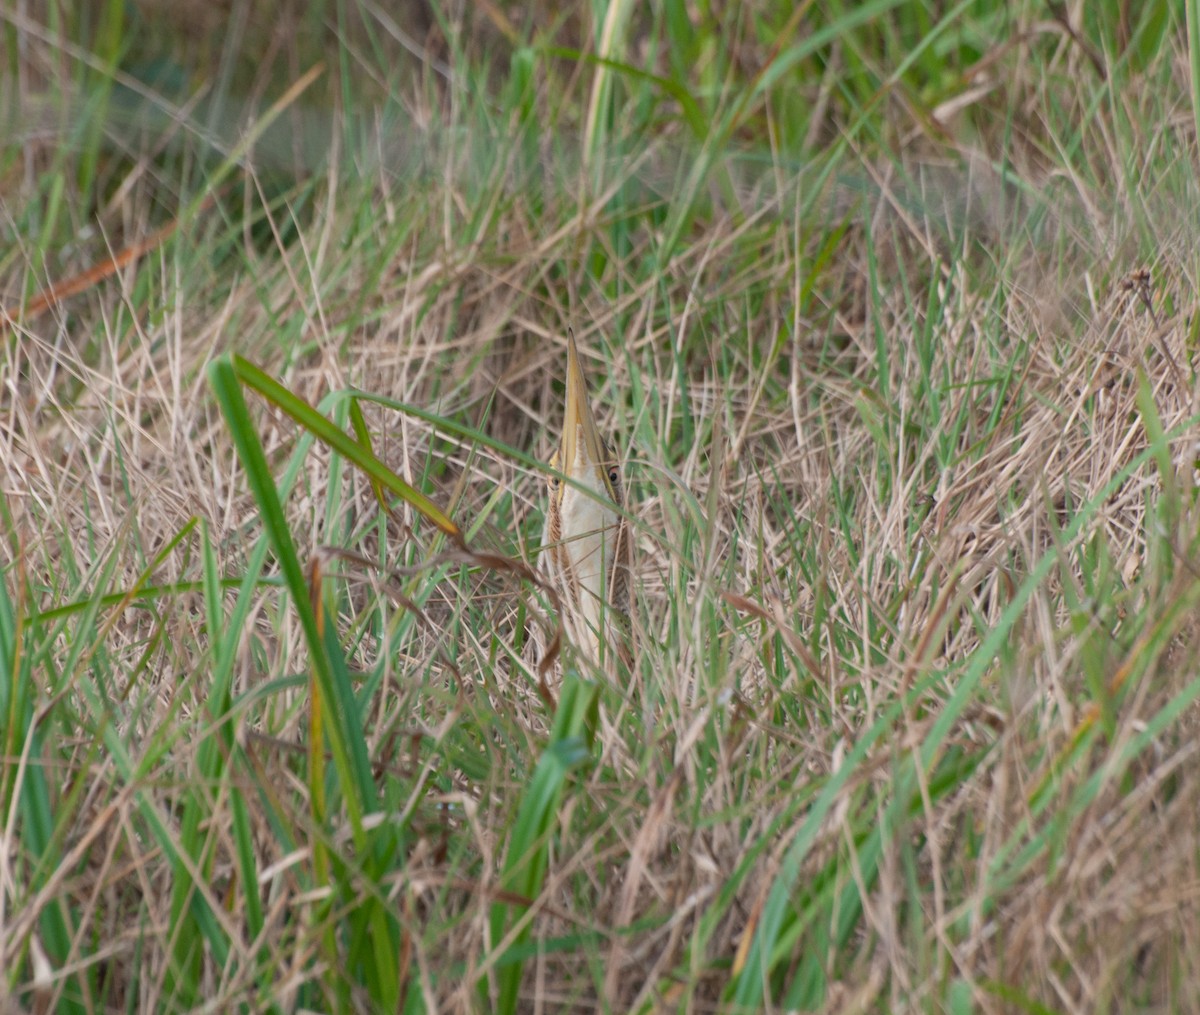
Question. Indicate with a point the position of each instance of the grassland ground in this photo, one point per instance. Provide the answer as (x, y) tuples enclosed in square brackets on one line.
[(891, 310)]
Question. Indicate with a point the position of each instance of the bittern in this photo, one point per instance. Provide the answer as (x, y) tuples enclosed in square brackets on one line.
[(586, 542)]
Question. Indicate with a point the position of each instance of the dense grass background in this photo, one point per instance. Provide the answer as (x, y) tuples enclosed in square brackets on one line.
[(891, 309)]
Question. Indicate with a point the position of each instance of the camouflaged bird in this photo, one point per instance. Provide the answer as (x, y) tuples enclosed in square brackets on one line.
[(586, 542)]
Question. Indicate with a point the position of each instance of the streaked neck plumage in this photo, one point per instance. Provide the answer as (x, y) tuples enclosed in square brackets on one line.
[(586, 546)]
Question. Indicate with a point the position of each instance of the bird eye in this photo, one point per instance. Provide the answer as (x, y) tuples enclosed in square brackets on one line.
[(614, 474)]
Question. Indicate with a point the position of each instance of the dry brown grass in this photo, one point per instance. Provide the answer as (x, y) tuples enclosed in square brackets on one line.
[(918, 582)]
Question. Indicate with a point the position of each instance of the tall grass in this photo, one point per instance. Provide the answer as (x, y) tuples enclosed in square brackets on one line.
[(889, 309)]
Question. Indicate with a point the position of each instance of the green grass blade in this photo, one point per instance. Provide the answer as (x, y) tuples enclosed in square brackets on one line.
[(537, 820), (344, 731)]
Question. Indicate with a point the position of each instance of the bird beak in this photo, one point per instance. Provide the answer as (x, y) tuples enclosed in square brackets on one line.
[(579, 423)]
